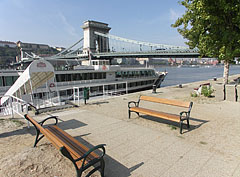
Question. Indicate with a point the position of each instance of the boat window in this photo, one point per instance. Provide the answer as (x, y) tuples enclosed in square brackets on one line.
[(138, 83), (118, 74), (125, 74), (1, 81), (8, 81), (145, 73), (104, 76), (74, 77), (15, 78), (90, 76), (63, 78), (134, 73), (137, 73), (130, 73), (119, 86), (149, 73), (80, 76), (58, 78), (87, 76), (69, 77), (84, 76), (99, 75)]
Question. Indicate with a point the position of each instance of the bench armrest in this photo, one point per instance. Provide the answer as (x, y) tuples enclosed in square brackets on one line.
[(84, 157), (182, 117), (135, 103), (100, 146), (51, 117)]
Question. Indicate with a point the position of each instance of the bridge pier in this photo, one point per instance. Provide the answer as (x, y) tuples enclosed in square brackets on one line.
[(93, 42)]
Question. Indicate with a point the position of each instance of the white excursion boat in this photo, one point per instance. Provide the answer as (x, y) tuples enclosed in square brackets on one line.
[(42, 86)]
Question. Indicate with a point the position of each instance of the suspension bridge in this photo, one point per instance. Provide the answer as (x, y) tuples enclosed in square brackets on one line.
[(97, 43)]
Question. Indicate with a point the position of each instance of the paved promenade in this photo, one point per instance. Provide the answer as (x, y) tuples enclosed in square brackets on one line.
[(151, 148)]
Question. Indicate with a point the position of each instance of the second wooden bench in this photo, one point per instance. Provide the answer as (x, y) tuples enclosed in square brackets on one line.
[(182, 116)]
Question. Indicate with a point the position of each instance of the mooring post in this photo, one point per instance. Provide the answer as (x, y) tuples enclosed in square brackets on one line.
[(224, 92), (154, 89), (236, 93)]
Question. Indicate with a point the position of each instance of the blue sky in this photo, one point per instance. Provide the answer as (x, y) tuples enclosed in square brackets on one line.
[(58, 22)]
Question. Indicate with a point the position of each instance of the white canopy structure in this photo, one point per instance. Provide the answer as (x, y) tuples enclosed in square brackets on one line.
[(36, 74)]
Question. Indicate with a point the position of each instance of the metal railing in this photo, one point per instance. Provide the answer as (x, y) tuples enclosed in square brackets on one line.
[(13, 106)]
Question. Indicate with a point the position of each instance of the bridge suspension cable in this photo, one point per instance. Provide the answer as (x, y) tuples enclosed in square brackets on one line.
[(74, 50), (69, 47), (161, 46)]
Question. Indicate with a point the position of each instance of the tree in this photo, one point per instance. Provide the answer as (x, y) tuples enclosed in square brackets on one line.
[(213, 26)]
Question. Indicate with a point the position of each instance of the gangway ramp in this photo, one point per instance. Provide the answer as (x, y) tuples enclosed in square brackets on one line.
[(35, 75)]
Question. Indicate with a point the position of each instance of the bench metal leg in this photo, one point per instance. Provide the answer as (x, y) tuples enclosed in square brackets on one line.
[(37, 139), (129, 114), (181, 127), (102, 167), (188, 126), (79, 171)]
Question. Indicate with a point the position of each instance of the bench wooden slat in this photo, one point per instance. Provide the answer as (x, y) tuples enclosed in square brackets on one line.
[(74, 151), (165, 101), (73, 139), (172, 117), (75, 148)]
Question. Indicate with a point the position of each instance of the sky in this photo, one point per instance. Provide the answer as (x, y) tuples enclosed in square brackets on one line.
[(58, 22)]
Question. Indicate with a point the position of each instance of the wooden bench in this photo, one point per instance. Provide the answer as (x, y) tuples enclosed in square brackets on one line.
[(81, 156), (184, 115)]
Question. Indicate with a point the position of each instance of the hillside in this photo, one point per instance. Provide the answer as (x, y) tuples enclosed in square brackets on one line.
[(7, 55)]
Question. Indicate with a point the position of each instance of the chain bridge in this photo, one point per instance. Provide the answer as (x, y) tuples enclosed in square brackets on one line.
[(97, 43)]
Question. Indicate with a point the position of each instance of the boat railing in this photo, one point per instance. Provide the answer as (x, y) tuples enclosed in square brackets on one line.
[(13, 106)]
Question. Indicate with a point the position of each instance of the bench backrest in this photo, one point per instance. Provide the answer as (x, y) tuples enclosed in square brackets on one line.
[(36, 124), (44, 131), (166, 101)]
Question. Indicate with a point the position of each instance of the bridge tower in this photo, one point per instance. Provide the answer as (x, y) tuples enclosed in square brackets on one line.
[(93, 42)]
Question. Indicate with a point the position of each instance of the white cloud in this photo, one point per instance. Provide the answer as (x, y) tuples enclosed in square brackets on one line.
[(67, 26)]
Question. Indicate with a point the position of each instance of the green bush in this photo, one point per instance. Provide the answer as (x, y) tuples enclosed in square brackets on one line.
[(207, 91), (194, 94)]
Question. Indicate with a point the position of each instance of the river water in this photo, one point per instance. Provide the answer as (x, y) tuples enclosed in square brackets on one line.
[(183, 75)]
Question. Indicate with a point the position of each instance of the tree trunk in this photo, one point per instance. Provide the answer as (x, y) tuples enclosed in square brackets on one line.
[(226, 72)]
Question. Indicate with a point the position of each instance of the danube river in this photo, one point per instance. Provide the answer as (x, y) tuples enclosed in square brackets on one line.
[(185, 75)]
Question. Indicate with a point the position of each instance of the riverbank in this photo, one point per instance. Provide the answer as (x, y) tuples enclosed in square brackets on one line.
[(137, 146)]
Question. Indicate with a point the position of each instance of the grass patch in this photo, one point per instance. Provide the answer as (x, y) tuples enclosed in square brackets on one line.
[(194, 95), (181, 137), (17, 122), (172, 127), (202, 142), (207, 91)]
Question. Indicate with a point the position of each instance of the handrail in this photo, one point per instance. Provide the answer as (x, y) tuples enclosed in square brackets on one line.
[(19, 99)]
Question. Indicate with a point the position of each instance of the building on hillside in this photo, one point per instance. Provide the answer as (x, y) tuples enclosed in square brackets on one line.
[(59, 48), (32, 46), (8, 44)]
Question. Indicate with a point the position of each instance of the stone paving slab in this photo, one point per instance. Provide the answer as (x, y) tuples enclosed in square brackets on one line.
[(147, 147)]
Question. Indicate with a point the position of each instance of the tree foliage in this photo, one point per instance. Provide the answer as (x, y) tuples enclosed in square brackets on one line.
[(213, 26)]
